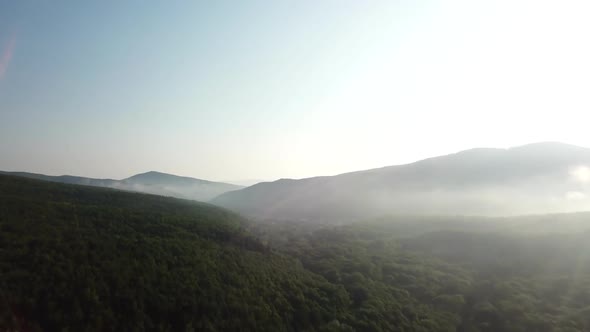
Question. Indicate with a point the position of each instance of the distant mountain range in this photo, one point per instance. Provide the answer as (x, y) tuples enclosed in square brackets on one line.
[(151, 182), (535, 178)]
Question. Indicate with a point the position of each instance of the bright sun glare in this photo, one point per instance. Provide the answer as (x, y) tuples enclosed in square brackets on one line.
[(581, 174)]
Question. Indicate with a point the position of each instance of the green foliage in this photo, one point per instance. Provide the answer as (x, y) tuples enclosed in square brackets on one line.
[(483, 279), (75, 258)]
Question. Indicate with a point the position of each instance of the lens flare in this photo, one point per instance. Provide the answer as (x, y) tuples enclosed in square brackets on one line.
[(7, 55)]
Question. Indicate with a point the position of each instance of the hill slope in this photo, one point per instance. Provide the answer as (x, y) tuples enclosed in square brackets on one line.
[(151, 182), (92, 259), (475, 274), (536, 178), (88, 259)]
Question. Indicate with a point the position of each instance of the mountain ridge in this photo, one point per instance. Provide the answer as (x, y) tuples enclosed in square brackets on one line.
[(481, 181), (151, 182)]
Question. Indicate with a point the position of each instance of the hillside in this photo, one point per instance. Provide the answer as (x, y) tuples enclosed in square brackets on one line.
[(473, 274), (151, 182), (88, 259), (79, 258), (536, 178)]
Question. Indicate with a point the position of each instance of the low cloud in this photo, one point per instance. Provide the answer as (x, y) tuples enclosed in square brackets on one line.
[(575, 195)]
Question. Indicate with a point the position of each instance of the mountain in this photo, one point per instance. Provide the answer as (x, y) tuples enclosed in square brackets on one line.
[(175, 186), (80, 258), (151, 182), (535, 178), (94, 259)]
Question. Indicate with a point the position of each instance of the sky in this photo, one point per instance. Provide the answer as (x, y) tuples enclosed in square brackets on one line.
[(238, 90)]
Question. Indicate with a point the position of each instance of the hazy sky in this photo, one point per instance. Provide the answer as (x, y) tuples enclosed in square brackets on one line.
[(228, 90)]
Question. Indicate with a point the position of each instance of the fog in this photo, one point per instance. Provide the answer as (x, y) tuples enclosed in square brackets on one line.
[(432, 157), (531, 179)]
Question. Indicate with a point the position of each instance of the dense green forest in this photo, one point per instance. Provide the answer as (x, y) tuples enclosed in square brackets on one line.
[(487, 278), (76, 258)]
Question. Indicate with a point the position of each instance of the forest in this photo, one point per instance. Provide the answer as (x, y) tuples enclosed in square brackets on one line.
[(76, 258)]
